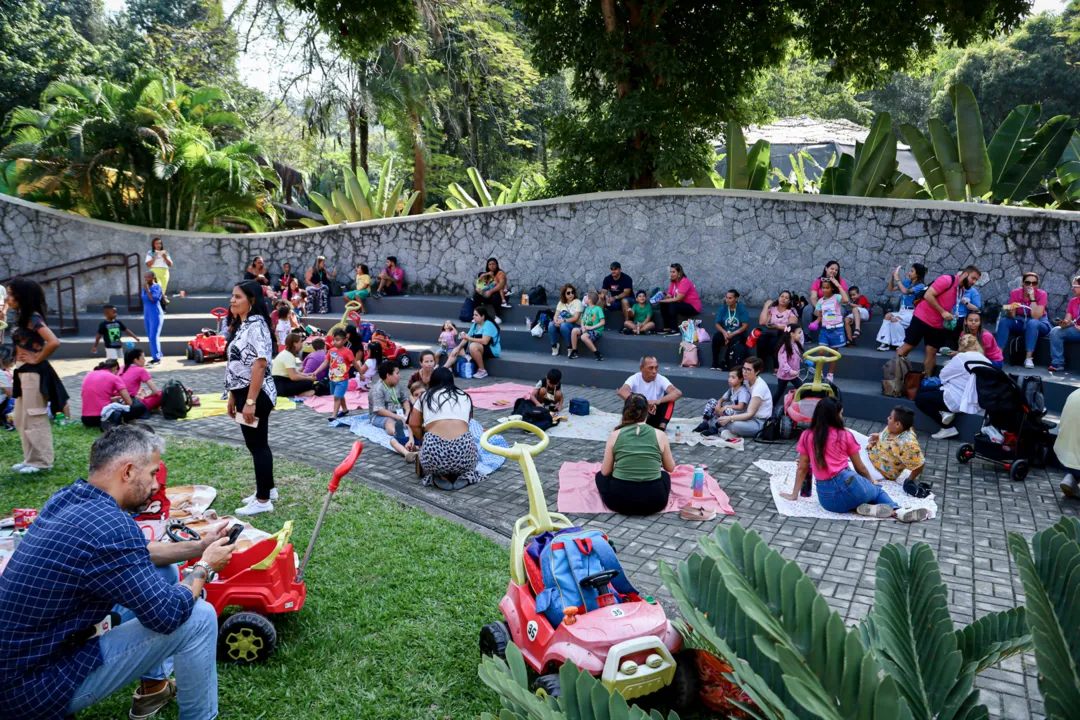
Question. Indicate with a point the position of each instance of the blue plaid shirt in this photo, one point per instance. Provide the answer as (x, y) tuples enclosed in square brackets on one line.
[(82, 556)]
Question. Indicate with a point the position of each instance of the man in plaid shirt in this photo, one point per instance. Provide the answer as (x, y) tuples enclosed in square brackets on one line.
[(62, 646)]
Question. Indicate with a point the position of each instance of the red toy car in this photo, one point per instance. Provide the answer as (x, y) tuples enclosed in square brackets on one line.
[(391, 350), (264, 579), (209, 344)]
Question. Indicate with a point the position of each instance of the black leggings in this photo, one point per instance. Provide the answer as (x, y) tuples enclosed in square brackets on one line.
[(137, 411), (493, 304), (670, 312), (720, 346), (292, 388), (258, 442), (767, 345), (781, 391), (931, 400), (634, 498)]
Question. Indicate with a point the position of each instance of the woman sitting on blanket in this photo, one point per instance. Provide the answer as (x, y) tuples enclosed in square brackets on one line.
[(634, 478), (824, 451), (449, 453)]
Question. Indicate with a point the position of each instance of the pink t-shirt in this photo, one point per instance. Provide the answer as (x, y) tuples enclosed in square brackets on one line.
[(1018, 296), (840, 446), (398, 274), (782, 317), (685, 287), (1073, 310), (98, 389), (133, 378), (816, 286), (943, 285), (990, 347)]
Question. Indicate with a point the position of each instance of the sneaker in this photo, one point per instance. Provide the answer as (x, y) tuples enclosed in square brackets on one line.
[(1069, 486), (875, 511), (1029, 363), (498, 320), (670, 333), (571, 350), (255, 507), (702, 427), (910, 515), (1056, 368), (554, 350), (251, 498), (709, 432), (18, 466), (884, 347), (599, 357), (505, 305), (145, 706), (627, 331), (572, 355), (945, 433), (947, 417), (30, 469), (480, 374)]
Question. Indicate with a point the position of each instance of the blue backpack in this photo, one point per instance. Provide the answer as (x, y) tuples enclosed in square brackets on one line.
[(566, 560)]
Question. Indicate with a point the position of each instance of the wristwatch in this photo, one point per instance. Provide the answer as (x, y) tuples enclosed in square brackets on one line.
[(249, 401), (210, 574)]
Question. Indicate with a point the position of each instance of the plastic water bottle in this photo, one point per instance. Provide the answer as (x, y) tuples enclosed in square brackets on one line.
[(699, 482), (655, 299)]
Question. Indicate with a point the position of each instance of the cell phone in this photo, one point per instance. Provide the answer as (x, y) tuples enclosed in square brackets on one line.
[(234, 533), (239, 419)]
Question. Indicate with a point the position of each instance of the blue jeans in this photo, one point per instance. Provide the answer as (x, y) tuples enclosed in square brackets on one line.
[(1058, 338), (847, 490), (565, 329), (1030, 328), (130, 651)]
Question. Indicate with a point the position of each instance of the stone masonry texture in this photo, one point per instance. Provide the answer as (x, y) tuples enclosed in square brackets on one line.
[(759, 243)]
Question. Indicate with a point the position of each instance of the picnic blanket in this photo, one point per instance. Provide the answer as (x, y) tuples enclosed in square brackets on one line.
[(354, 399), (361, 425), (597, 425), (578, 493), (211, 405), (499, 396)]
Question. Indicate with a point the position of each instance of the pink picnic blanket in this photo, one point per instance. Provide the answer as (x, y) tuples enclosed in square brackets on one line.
[(500, 396), (325, 403), (578, 493)]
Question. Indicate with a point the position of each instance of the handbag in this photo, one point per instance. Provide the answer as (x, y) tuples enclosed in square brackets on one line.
[(912, 383), (703, 336), (689, 354)]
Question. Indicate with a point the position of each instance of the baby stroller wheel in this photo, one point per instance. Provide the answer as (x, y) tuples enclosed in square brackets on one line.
[(1019, 470), (787, 427), (965, 453)]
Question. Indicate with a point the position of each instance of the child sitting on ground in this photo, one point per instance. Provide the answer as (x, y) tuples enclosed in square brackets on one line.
[(112, 330), (315, 358), (448, 337), (417, 387), (642, 323), (7, 362), (896, 448), (372, 359), (339, 359), (733, 401), (548, 392)]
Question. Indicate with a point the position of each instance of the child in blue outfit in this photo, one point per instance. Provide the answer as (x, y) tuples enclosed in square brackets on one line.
[(829, 312)]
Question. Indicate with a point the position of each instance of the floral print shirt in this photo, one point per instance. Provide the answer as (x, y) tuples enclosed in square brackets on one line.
[(892, 454), (252, 342)]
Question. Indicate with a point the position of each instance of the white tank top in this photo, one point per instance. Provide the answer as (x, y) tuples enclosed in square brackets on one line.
[(453, 408)]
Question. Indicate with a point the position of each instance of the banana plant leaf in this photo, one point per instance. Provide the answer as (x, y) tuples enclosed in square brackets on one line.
[(409, 202), (515, 190), (462, 197), (878, 167), (1038, 160), (358, 197), (345, 206), (736, 173), (836, 179), (949, 157), (880, 131), (1011, 139), (927, 160), (758, 165), (970, 142), (482, 192), (326, 207), (378, 202), (391, 208), (1050, 573)]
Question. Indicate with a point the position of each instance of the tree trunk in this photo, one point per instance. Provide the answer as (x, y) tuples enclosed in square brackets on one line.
[(352, 138), (543, 148), (363, 118), (474, 140), (419, 167)]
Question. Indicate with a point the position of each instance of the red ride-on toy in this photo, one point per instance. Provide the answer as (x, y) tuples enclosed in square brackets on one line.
[(391, 350), (209, 344), (264, 580), (626, 640), (799, 404)]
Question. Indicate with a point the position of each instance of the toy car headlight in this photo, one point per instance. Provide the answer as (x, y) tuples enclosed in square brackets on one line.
[(628, 668)]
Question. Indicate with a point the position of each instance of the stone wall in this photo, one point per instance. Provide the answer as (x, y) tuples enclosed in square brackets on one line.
[(759, 243)]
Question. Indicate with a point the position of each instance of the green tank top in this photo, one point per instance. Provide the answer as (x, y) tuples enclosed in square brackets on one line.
[(637, 454)]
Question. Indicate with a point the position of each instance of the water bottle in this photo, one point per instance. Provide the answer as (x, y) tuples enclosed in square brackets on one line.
[(699, 482), (655, 299)]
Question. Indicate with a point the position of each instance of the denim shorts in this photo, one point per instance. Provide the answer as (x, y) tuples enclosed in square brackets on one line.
[(337, 389), (832, 337)]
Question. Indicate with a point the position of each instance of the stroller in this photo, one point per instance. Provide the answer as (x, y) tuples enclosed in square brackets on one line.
[(1015, 407)]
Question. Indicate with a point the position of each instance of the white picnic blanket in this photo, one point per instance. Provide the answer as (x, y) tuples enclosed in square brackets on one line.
[(598, 424)]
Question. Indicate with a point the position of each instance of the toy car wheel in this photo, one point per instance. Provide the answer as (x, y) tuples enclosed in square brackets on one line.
[(246, 638), (682, 693), (190, 353), (965, 453), (494, 637), (787, 427), (199, 356), (1019, 470), (548, 685), (404, 361)]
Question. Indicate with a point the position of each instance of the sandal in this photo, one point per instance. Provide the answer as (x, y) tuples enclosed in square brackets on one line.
[(697, 514)]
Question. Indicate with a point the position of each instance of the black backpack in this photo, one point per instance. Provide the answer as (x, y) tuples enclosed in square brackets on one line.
[(537, 296), (734, 355), (175, 400), (1034, 398), (533, 414), (543, 317)]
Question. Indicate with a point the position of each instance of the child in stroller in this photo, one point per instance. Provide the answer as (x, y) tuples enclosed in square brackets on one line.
[(1014, 434)]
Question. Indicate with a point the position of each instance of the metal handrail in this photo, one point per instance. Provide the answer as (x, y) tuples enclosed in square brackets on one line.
[(128, 262)]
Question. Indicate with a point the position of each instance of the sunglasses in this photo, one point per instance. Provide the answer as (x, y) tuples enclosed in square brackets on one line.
[(1031, 282)]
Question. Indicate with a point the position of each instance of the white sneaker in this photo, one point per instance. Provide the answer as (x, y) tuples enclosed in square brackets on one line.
[(884, 347), (910, 515), (498, 320), (554, 350), (255, 507), (947, 417), (480, 374), (875, 511), (18, 466), (1069, 486), (945, 433), (30, 469), (1029, 363), (251, 498)]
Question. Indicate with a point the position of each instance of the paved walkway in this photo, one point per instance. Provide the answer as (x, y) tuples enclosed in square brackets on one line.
[(978, 504)]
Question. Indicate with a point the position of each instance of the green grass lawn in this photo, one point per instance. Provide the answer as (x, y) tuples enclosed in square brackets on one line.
[(395, 601)]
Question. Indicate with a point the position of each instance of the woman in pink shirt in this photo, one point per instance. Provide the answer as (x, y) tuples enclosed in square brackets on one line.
[(973, 325), (777, 317), (102, 387), (681, 298), (824, 451), (831, 271), (1025, 314), (135, 375)]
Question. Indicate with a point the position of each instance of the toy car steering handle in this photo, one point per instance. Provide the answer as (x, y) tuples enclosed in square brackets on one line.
[(600, 580), (517, 449), (219, 313), (179, 532), (346, 466), (821, 352)]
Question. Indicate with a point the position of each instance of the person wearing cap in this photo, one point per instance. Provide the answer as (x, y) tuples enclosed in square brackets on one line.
[(1067, 330), (617, 292), (1024, 314)]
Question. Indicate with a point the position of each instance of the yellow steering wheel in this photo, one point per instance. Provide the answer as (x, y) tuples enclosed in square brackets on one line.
[(515, 452), (820, 356)]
